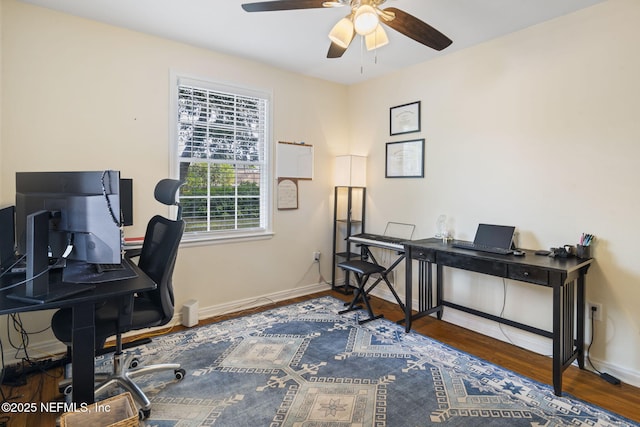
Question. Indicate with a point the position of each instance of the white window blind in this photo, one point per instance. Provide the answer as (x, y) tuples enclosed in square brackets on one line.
[(222, 155)]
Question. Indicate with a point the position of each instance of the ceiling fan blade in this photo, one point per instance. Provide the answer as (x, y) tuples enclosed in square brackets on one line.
[(416, 29), (268, 6), (336, 51)]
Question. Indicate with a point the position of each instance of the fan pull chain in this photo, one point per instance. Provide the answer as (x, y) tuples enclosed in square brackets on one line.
[(361, 55), (375, 51)]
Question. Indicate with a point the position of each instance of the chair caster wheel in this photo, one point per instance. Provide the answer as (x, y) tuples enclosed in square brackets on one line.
[(180, 373), (143, 414), (134, 363)]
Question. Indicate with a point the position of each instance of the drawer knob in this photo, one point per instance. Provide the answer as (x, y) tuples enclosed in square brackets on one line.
[(526, 273)]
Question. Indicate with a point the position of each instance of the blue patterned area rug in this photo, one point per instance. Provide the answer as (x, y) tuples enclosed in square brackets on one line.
[(304, 365)]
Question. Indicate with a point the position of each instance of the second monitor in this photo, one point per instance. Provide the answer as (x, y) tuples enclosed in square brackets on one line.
[(85, 210)]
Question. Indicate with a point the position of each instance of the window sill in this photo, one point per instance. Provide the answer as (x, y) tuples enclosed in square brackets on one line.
[(206, 239)]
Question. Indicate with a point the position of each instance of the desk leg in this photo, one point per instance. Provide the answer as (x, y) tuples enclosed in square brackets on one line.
[(425, 290), (440, 280), (426, 282), (408, 291), (580, 318), (83, 353), (557, 340), (425, 286)]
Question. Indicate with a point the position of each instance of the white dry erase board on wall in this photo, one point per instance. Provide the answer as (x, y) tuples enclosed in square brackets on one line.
[(294, 160)]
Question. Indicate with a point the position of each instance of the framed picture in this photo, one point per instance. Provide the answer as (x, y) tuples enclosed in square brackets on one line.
[(404, 118), (405, 159), (287, 193)]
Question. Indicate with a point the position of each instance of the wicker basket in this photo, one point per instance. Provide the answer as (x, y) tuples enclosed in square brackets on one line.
[(116, 411)]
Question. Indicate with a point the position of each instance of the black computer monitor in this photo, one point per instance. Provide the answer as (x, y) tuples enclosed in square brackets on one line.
[(126, 200), (37, 288), (7, 237), (37, 262), (84, 212)]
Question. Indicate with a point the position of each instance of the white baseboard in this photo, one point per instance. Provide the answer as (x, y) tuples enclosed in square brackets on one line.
[(487, 327), (517, 337), (53, 347), (248, 303)]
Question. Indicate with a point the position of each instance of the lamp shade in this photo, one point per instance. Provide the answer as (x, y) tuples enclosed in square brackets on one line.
[(376, 39), (351, 171), (342, 33), (365, 20)]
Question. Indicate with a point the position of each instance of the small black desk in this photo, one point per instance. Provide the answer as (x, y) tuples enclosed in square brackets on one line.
[(566, 276), (82, 304)]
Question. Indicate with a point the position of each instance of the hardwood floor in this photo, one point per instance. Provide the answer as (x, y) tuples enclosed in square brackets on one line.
[(622, 399)]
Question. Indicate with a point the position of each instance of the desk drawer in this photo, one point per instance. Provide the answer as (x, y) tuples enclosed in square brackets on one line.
[(423, 255), (529, 274), (472, 263)]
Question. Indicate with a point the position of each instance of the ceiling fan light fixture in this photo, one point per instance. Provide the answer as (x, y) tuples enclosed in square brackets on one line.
[(376, 39), (342, 33), (365, 20)]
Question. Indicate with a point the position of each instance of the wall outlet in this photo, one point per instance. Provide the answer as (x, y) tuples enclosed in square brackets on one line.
[(595, 310), (316, 256)]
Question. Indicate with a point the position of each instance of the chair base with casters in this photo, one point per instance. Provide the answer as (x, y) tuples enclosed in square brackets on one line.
[(125, 369)]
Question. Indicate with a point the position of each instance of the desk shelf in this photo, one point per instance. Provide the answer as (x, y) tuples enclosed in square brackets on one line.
[(348, 219)]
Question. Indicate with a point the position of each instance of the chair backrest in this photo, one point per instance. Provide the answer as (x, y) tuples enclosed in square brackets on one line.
[(158, 258), (160, 248), (166, 192)]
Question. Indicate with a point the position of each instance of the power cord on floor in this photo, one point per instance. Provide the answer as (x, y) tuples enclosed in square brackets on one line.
[(321, 278), (607, 377), (16, 374), (504, 305), (5, 398)]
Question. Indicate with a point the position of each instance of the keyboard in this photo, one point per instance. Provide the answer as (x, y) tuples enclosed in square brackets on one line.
[(386, 242), (102, 268), (462, 244)]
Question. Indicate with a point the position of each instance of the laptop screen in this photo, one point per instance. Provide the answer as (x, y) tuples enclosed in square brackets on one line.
[(496, 236)]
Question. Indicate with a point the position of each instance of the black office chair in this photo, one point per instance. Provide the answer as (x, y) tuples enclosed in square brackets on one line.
[(150, 309)]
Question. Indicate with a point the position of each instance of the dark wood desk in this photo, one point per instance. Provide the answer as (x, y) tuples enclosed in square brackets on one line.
[(566, 276), (82, 304)]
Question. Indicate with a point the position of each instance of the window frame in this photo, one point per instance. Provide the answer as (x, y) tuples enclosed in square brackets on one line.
[(211, 237)]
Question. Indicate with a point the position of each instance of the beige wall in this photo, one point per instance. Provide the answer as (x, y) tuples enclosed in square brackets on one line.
[(79, 95), (548, 118), (1, 96), (550, 112)]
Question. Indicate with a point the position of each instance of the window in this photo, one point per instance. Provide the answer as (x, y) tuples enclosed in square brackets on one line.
[(221, 150)]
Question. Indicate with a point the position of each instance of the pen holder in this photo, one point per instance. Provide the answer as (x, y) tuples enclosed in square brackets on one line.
[(583, 251)]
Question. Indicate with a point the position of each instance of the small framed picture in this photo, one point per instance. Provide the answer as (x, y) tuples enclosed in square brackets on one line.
[(405, 159), (287, 193), (404, 118)]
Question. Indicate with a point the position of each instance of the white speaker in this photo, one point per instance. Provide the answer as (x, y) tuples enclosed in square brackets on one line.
[(190, 313)]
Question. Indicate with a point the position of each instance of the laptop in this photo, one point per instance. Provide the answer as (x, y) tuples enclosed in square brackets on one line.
[(490, 238)]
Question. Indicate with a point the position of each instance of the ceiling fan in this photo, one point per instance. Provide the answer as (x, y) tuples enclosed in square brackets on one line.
[(364, 19)]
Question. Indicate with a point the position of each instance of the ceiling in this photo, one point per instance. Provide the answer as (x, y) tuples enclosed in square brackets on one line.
[(297, 40)]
